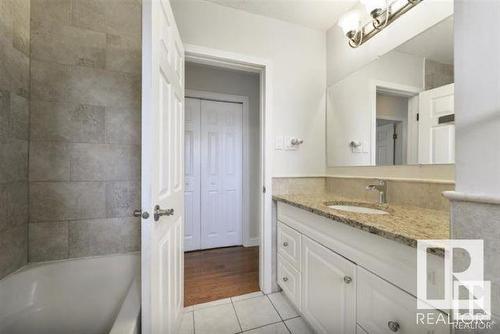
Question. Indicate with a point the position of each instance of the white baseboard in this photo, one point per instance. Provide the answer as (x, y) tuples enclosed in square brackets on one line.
[(251, 242)]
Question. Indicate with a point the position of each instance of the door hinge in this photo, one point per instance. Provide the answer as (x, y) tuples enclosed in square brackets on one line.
[(264, 189), (418, 117)]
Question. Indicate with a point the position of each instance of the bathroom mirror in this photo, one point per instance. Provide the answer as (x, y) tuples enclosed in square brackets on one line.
[(398, 109)]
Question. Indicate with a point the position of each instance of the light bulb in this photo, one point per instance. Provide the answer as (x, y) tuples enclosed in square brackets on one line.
[(374, 5), (350, 21)]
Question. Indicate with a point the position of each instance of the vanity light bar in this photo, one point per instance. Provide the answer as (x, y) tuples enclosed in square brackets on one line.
[(381, 19)]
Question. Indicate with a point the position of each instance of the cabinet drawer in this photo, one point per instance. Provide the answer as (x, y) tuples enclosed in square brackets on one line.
[(289, 244), (383, 308), (289, 280)]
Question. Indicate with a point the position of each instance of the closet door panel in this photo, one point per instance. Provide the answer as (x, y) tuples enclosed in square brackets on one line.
[(192, 175), (221, 174)]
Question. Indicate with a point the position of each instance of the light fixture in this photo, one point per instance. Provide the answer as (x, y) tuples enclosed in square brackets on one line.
[(350, 23), (382, 13), (375, 7)]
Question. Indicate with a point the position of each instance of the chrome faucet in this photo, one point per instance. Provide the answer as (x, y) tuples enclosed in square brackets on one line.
[(381, 187)]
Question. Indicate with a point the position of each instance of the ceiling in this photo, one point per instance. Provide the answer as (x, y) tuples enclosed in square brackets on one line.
[(316, 14), (436, 43)]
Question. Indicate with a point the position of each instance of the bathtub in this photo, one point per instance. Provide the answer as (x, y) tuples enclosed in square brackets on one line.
[(89, 296)]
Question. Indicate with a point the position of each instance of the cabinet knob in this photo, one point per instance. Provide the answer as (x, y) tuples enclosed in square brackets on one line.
[(285, 244), (347, 279), (393, 326), (285, 279)]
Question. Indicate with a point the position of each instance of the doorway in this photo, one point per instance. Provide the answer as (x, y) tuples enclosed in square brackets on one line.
[(213, 172), (222, 204)]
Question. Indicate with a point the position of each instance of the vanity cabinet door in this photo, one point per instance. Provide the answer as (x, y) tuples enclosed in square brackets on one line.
[(385, 309), (328, 289)]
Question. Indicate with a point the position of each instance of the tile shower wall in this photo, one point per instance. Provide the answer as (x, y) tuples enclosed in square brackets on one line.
[(84, 170), (14, 117)]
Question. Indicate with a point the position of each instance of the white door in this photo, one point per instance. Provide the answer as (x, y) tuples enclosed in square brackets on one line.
[(162, 169), (412, 141), (192, 175), (221, 174), (436, 138), (385, 145), (328, 289)]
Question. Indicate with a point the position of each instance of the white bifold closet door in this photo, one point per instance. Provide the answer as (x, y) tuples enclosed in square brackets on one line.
[(213, 174)]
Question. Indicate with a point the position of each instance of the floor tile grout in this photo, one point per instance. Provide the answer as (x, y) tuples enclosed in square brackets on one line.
[(236, 313), (282, 319)]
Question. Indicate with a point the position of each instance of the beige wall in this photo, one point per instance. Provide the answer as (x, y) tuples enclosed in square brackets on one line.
[(85, 128), (14, 119), (445, 173)]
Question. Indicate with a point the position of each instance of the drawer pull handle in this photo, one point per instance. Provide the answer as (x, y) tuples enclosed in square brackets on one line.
[(393, 326), (285, 244), (285, 279), (347, 279)]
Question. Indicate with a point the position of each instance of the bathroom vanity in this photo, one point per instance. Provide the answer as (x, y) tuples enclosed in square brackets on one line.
[(349, 272)]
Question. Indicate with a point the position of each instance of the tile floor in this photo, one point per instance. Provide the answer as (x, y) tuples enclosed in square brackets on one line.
[(253, 313)]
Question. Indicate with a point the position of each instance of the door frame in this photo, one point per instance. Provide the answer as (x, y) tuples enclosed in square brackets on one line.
[(386, 87), (244, 100), (230, 60)]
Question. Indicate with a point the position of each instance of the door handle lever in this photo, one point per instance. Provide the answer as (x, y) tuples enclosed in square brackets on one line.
[(160, 212)]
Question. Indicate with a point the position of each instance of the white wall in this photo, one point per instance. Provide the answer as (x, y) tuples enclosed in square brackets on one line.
[(205, 78), (298, 57), (477, 102), (351, 104), (343, 60)]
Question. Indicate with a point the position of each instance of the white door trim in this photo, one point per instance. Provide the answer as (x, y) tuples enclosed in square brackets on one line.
[(244, 100), (388, 87), (219, 58)]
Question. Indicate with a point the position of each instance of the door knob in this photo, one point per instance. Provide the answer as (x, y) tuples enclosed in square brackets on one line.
[(160, 212), (347, 279), (139, 213), (285, 244), (393, 326)]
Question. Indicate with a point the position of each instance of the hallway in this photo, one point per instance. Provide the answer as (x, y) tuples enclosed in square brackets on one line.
[(220, 273)]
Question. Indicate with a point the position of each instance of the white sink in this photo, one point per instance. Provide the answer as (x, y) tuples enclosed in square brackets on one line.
[(357, 209)]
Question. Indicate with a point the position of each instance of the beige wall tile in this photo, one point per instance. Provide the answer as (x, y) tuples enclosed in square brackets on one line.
[(123, 126), (49, 161), (55, 201), (67, 122), (14, 111), (14, 161), (122, 198), (420, 194), (68, 45), (103, 162), (298, 185), (103, 236), (480, 221), (83, 85), (14, 246), (48, 241), (85, 125)]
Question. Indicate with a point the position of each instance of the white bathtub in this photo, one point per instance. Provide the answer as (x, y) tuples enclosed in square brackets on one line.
[(89, 296)]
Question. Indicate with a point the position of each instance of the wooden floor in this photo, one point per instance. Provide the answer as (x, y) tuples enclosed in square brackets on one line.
[(220, 273)]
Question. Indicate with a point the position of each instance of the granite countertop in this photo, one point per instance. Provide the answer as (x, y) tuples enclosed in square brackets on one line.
[(405, 224)]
